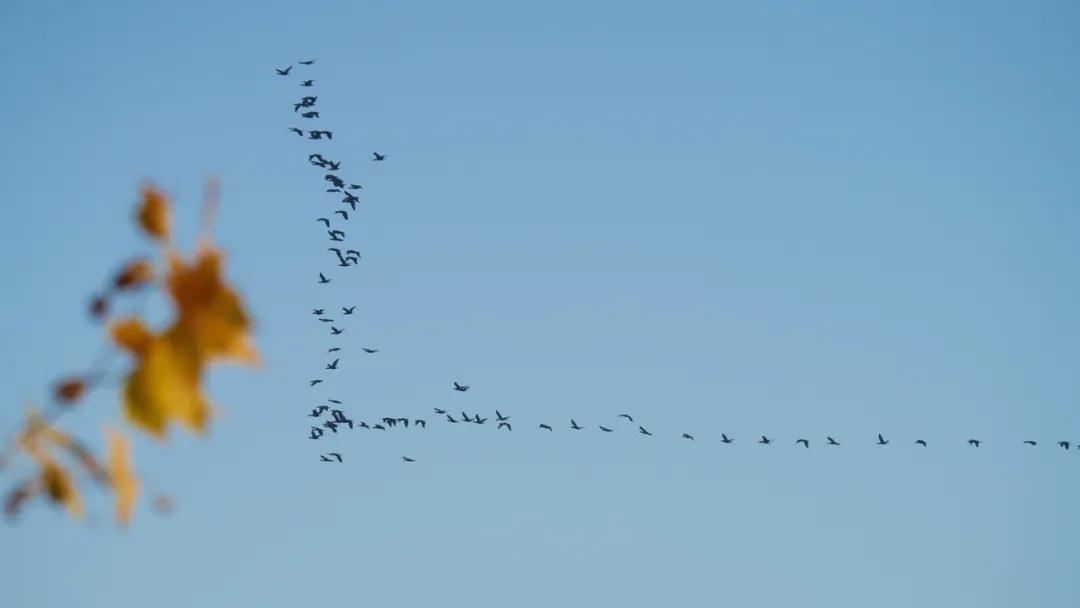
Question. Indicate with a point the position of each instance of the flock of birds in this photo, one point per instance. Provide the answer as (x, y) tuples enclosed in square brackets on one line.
[(331, 417)]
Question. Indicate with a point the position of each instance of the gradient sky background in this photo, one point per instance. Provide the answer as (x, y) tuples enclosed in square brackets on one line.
[(743, 217)]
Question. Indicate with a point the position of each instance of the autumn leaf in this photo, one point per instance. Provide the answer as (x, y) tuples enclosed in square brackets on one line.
[(131, 334), (135, 274), (69, 390), (125, 484), (209, 308), (153, 212), (164, 386), (58, 486), (19, 495)]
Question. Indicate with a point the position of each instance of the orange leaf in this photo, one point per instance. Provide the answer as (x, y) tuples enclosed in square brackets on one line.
[(134, 275), (154, 212), (130, 333), (124, 482), (60, 489), (69, 390)]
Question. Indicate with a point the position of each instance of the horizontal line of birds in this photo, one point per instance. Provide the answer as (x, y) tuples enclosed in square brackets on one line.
[(339, 419)]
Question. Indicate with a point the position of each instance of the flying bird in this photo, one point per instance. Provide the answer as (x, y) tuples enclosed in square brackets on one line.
[(316, 412), (407, 459), (1030, 442), (314, 382), (379, 156), (460, 387), (333, 179), (364, 425), (307, 83), (333, 365), (323, 279), (627, 416), (284, 72), (506, 424), (1063, 444), (805, 442), (544, 426), (370, 351), (333, 350), (420, 423), (335, 455), (438, 411), (604, 428), (332, 165), (308, 62), (404, 421), (335, 331), (316, 432), (334, 401), (450, 419), (379, 427), (324, 220), (921, 442), (347, 310), (574, 425), (297, 131), (881, 440), (765, 440), (688, 436), (344, 214), (642, 430), (310, 115), (725, 439), (974, 442), (355, 187), (500, 417), (330, 425), (832, 441), (350, 199)]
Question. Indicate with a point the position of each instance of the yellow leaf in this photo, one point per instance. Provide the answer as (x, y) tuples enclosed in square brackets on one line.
[(209, 308), (154, 212), (130, 333), (164, 386), (125, 484), (58, 486)]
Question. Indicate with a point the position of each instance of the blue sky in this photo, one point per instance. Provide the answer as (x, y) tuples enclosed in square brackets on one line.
[(796, 219)]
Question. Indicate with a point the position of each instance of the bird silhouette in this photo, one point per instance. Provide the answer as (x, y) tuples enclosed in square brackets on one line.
[(407, 459), (604, 428), (333, 350), (974, 442), (805, 442), (832, 441), (324, 220), (334, 401), (314, 382), (307, 83), (450, 419), (323, 458), (390, 422), (479, 420), (333, 365), (500, 417), (364, 425), (284, 72), (1030, 442), (335, 455), (404, 422), (341, 258), (355, 187), (316, 433), (688, 436), (299, 132), (544, 426), (328, 134), (765, 440), (921, 442), (881, 440), (333, 179), (310, 114), (318, 411), (505, 424), (308, 62), (460, 387), (379, 427), (642, 430), (330, 425), (344, 214), (347, 310), (465, 417), (332, 166), (325, 320), (336, 235), (420, 423), (379, 156), (370, 351), (725, 439), (1063, 444), (574, 425), (335, 331), (323, 279), (318, 311), (438, 411), (350, 199), (627, 416)]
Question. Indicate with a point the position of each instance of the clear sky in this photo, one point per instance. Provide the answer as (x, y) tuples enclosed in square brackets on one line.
[(791, 218)]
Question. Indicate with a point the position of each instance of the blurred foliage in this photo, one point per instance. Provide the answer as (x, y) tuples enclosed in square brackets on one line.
[(164, 384)]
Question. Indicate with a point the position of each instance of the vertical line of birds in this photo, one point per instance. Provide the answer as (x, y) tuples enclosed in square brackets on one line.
[(306, 111)]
